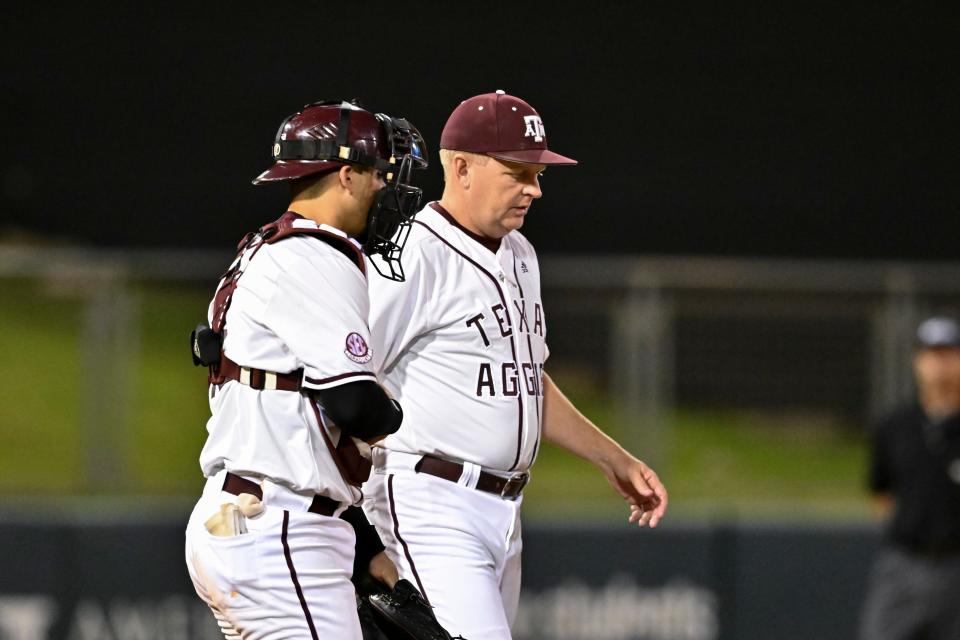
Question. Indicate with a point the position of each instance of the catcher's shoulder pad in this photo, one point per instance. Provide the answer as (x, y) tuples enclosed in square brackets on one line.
[(403, 613), (290, 224)]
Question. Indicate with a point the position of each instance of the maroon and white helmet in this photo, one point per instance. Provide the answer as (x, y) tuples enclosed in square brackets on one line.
[(327, 134)]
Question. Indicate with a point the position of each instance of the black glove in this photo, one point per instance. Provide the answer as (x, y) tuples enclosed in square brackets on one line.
[(400, 614), (368, 620)]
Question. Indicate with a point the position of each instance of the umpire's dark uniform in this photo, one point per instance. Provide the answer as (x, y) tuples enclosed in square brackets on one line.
[(914, 589)]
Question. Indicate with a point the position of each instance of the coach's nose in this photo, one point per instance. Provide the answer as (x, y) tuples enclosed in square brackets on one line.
[(532, 188)]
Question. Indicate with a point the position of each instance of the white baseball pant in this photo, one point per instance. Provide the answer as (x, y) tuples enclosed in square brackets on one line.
[(287, 577), (459, 545)]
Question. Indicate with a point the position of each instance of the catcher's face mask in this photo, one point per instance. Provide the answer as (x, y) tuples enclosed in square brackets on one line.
[(389, 219)]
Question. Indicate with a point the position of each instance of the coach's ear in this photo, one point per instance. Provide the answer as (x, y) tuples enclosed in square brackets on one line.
[(460, 168)]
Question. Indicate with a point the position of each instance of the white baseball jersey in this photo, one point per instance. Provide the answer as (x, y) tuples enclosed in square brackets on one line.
[(461, 345), (285, 571), (299, 303)]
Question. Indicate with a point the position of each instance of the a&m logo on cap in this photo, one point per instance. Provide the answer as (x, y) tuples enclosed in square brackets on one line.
[(534, 129)]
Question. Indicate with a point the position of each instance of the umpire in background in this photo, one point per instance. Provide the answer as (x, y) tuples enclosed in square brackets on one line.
[(914, 589)]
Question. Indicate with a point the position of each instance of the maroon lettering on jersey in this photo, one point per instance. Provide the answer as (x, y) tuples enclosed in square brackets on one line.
[(532, 373), (485, 379), (537, 319), (475, 320), (522, 315), (509, 379), (529, 377), (502, 320)]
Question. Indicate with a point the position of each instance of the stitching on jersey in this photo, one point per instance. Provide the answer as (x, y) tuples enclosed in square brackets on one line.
[(513, 349), (537, 382)]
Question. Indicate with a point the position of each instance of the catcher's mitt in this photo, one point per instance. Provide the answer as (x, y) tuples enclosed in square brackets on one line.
[(401, 614)]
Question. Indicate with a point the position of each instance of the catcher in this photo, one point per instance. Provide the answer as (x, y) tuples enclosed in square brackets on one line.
[(293, 396)]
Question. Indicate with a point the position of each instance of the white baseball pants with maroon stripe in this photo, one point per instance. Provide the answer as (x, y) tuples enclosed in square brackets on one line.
[(460, 546), (287, 577)]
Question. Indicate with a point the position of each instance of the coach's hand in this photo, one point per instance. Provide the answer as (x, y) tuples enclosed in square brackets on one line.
[(640, 487)]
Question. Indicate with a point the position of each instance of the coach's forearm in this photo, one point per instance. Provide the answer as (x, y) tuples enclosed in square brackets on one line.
[(565, 426)]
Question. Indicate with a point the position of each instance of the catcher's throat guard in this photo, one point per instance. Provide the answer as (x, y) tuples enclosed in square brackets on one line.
[(388, 225), (389, 219)]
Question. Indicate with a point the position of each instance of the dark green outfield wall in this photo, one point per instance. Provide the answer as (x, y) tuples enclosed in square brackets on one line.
[(127, 581)]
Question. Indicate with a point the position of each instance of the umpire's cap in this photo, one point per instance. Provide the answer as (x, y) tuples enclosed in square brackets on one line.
[(502, 126), (938, 332)]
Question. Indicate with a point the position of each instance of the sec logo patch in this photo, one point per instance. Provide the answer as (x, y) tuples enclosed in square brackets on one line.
[(357, 349)]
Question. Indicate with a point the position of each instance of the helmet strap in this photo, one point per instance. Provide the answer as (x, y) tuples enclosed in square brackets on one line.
[(343, 129)]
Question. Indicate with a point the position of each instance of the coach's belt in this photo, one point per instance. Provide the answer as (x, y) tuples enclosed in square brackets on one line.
[(236, 485), (508, 488)]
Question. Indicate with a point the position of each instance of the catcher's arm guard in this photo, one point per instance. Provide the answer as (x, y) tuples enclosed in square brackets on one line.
[(403, 614)]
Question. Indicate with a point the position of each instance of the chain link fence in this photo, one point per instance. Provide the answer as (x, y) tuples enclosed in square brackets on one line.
[(812, 337)]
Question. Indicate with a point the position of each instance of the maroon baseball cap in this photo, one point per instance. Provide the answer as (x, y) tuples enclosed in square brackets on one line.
[(502, 126)]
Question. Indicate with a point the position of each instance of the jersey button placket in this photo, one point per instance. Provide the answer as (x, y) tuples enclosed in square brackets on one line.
[(524, 400)]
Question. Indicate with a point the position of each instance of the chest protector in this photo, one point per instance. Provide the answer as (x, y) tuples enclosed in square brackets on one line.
[(206, 343)]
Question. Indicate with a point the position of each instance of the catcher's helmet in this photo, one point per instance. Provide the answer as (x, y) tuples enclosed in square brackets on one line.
[(326, 135)]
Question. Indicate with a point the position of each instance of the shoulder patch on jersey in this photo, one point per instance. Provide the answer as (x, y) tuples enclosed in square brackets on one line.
[(357, 349)]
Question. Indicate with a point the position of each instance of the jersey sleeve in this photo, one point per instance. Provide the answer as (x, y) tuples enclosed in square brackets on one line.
[(319, 310), (400, 311)]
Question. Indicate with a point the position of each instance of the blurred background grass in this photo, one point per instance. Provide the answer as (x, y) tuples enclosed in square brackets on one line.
[(715, 463)]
